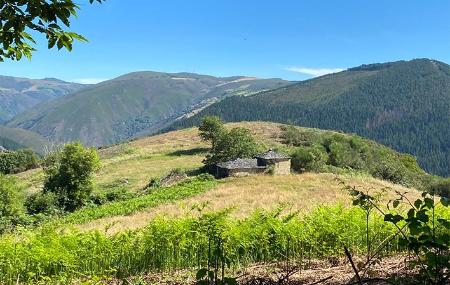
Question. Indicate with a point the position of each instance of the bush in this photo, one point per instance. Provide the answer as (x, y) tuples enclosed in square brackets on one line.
[(354, 153), (293, 136), (440, 186), (311, 158), (346, 152), (17, 161), (42, 203), (11, 203), (69, 175), (117, 194)]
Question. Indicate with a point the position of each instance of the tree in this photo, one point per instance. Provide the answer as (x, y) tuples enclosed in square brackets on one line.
[(237, 143), (69, 175), (211, 128), (11, 202), (226, 145), (50, 18)]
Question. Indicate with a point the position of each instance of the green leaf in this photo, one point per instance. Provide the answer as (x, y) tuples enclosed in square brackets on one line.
[(393, 218), (445, 223), (51, 42), (445, 201), (429, 203), (422, 216), (201, 274)]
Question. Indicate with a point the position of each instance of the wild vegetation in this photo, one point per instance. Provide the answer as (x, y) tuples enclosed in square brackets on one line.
[(331, 151), (402, 104), (18, 161), (184, 243), (43, 243)]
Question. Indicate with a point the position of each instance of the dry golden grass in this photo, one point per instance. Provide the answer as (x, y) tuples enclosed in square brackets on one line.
[(300, 192)]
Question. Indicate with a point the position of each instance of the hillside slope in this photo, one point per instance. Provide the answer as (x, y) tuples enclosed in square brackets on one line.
[(12, 139), (132, 165), (404, 104), (20, 94), (132, 105)]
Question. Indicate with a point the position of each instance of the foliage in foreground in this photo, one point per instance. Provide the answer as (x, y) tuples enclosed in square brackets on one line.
[(189, 242), (41, 17)]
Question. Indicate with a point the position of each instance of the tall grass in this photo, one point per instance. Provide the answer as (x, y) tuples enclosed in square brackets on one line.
[(169, 244)]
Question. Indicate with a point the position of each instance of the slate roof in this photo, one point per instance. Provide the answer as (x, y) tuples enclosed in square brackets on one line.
[(272, 155), (239, 163)]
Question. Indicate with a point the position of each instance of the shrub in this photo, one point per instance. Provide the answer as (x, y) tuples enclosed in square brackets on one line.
[(42, 203), (311, 158), (354, 152), (11, 203), (345, 152), (116, 194), (17, 161), (293, 136), (69, 175)]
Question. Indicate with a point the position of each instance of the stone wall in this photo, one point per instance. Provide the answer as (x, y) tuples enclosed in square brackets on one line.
[(282, 168), (245, 172)]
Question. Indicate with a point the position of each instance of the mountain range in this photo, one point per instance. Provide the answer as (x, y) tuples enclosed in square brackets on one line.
[(404, 104), (132, 105), (20, 94)]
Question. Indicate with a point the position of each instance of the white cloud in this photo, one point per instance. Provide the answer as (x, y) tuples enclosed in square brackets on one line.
[(314, 71), (89, 80)]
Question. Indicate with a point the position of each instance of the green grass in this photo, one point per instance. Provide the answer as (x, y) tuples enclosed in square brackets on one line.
[(159, 196)]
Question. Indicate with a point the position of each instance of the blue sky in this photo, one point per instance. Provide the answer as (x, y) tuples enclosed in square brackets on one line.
[(289, 39)]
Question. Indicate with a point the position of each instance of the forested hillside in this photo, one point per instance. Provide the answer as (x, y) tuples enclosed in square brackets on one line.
[(131, 105), (20, 94), (13, 139), (404, 104)]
